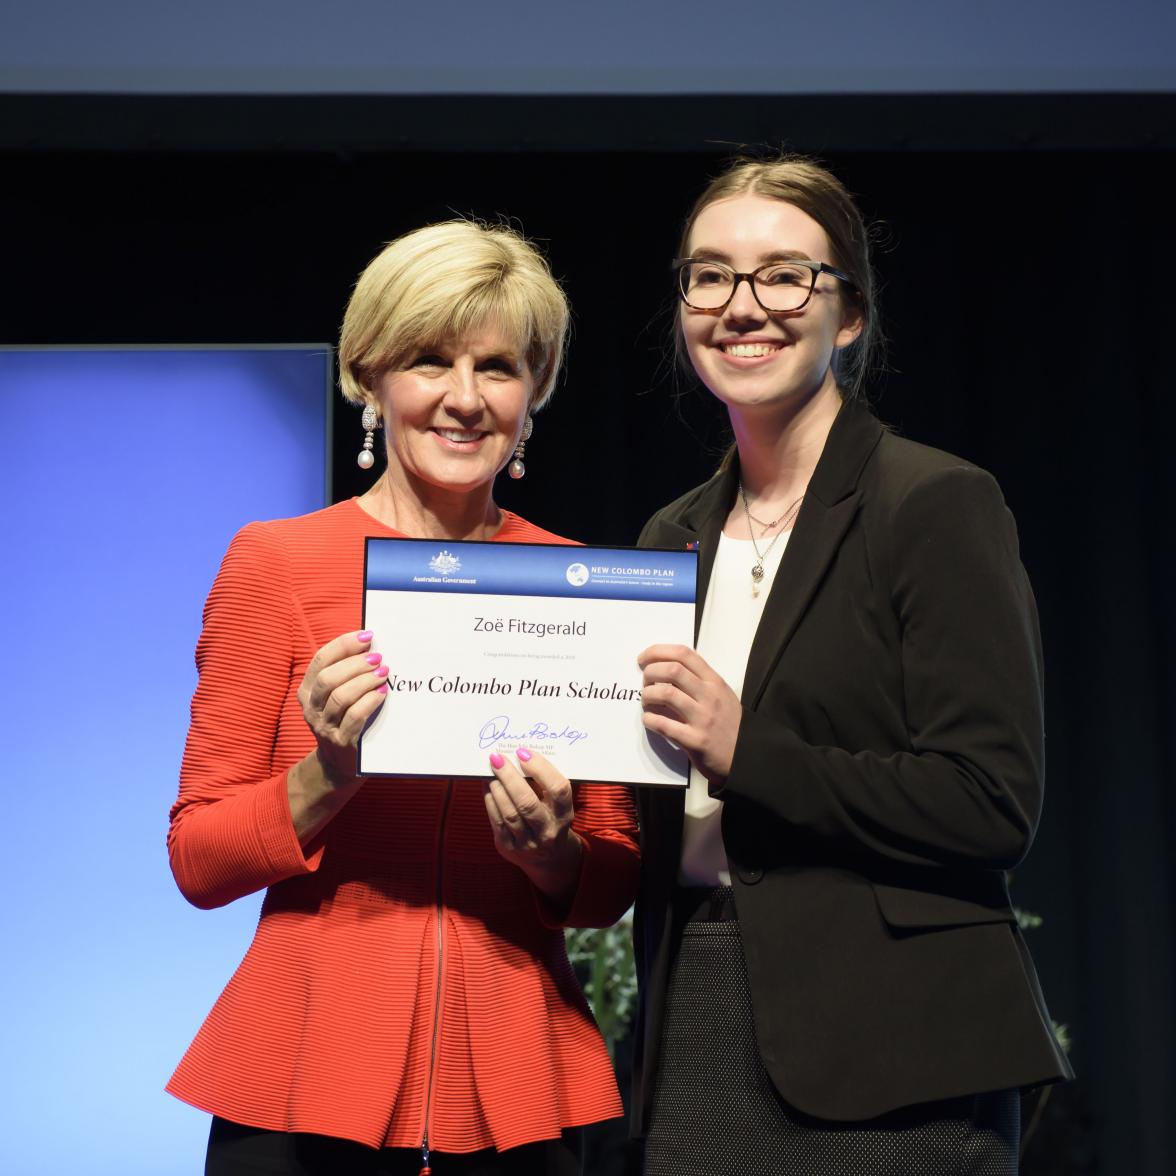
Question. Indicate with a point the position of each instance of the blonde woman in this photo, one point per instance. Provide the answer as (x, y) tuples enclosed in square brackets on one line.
[(406, 1004)]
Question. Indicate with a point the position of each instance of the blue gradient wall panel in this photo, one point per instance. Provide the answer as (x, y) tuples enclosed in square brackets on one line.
[(124, 474)]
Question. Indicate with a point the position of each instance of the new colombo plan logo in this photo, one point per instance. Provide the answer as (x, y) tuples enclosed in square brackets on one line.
[(577, 575), (445, 564)]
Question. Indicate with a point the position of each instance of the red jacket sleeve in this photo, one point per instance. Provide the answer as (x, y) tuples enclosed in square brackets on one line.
[(606, 820), (231, 832)]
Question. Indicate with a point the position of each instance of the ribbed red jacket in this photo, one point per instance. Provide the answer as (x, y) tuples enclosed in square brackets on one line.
[(403, 978)]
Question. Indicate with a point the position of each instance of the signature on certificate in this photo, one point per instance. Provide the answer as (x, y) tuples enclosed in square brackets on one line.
[(498, 730)]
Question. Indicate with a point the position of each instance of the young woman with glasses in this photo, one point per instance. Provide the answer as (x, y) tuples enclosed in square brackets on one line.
[(833, 979)]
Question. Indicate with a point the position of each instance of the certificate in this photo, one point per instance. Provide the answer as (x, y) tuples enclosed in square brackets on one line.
[(496, 646)]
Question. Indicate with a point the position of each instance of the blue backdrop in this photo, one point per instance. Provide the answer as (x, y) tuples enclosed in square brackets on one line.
[(124, 474)]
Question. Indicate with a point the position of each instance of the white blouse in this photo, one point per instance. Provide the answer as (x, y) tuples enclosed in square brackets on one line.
[(730, 618)]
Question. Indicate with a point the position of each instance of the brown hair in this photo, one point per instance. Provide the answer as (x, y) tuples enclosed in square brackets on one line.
[(802, 182), (442, 281)]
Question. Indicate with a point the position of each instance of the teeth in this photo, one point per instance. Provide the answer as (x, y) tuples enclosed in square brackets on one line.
[(750, 350), (458, 435)]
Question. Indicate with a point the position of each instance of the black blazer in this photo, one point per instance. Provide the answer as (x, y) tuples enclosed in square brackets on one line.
[(888, 772)]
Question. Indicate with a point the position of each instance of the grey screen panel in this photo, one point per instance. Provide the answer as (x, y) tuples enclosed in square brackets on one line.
[(609, 47)]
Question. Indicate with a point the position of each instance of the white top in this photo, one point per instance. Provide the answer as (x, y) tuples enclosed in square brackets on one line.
[(730, 618)]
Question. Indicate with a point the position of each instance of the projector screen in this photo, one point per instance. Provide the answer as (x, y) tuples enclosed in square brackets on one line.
[(124, 474), (608, 47)]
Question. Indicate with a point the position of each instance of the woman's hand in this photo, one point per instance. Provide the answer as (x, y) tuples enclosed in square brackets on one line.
[(530, 810), (686, 701), (344, 685)]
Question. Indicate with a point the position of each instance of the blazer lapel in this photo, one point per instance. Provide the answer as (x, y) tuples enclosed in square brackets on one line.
[(829, 507), (702, 524), (662, 810)]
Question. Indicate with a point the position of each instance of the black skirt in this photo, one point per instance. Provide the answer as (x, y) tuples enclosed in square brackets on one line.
[(717, 1113), (237, 1150)]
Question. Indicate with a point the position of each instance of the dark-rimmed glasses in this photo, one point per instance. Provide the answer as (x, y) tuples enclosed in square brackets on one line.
[(776, 286)]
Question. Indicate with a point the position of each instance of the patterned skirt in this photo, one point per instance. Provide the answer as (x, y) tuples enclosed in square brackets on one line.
[(717, 1113)]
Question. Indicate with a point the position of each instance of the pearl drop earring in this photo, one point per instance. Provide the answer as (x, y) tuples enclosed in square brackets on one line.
[(368, 422), (516, 469)]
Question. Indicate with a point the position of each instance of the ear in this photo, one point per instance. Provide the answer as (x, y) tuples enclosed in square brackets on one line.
[(366, 381), (852, 322), (533, 395)]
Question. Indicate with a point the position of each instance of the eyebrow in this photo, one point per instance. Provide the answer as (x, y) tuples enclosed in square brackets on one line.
[(510, 354), (510, 358), (705, 254)]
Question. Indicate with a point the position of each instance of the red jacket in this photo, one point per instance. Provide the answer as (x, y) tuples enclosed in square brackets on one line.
[(404, 979)]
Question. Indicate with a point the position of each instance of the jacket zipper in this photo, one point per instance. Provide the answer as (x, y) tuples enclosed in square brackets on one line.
[(439, 899)]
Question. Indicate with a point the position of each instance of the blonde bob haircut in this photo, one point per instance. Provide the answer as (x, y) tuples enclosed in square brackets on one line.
[(441, 283)]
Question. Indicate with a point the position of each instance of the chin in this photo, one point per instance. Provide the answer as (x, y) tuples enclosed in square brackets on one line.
[(751, 399), (468, 485), (768, 396)]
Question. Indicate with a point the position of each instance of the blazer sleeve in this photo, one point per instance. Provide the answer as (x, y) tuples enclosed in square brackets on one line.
[(231, 832), (966, 789)]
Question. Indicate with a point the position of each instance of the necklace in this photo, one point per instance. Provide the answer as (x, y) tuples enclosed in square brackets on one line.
[(757, 569), (760, 522)]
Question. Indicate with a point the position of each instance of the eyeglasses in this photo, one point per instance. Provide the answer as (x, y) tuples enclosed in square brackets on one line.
[(777, 286)]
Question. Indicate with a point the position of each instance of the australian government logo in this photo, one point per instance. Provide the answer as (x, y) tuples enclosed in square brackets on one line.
[(444, 566)]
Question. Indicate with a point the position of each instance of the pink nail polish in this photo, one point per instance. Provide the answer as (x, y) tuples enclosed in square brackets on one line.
[(523, 754), (382, 689), (374, 659), (496, 761), (364, 635), (380, 671)]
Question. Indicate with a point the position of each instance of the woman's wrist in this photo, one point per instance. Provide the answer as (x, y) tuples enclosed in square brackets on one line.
[(318, 787), (335, 764), (557, 876)]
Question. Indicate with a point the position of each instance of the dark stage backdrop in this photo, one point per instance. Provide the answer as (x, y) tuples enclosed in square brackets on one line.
[(1029, 300)]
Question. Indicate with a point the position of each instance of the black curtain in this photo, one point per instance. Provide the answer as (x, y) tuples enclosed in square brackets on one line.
[(1028, 298)]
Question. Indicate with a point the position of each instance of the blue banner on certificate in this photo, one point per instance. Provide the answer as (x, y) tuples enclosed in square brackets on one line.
[(496, 646)]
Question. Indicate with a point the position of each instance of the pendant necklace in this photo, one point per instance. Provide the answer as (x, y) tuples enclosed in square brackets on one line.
[(757, 569)]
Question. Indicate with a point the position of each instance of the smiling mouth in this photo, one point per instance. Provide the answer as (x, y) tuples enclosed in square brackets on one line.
[(750, 350), (460, 436)]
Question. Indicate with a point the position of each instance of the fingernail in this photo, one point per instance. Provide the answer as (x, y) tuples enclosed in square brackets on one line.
[(380, 671), (364, 635), (496, 761), (374, 659), (523, 754), (382, 689)]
